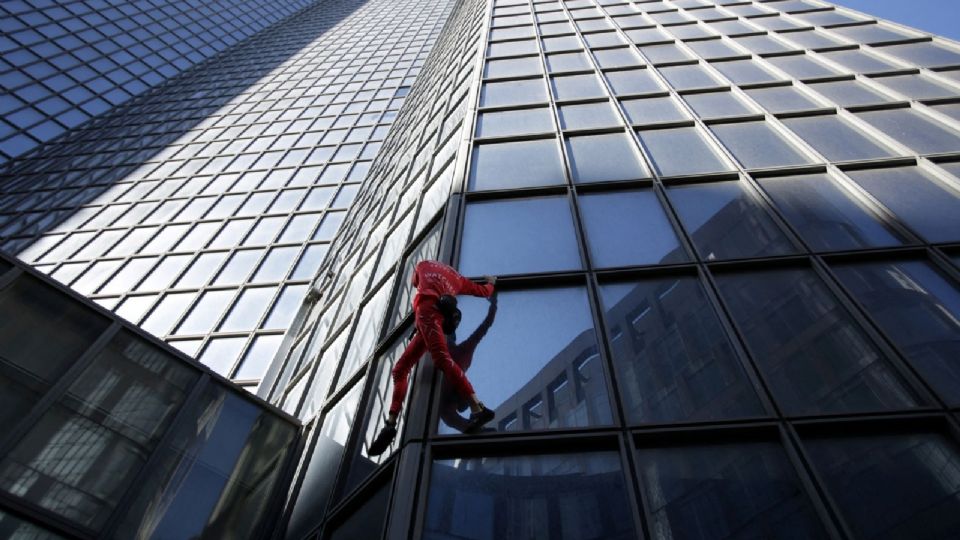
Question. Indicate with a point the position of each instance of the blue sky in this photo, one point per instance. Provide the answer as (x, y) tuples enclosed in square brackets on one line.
[(940, 17)]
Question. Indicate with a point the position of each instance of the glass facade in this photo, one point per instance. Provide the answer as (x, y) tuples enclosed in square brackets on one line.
[(109, 433), (726, 239), (201, 209)]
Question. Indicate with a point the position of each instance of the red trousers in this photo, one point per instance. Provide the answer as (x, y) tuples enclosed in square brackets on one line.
[(429, 337)]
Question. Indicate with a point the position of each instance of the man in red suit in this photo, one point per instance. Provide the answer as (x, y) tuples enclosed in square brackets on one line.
[(434, 305)]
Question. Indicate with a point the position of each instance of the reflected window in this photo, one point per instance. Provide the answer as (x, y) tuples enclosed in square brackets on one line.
[(757, 145), (516, 164), (917, 131), (836, 139), (628, 228), (743, 490), (518, 236), (573, 496), (681, 151), (672, 359), (892, 486), (600, 158), (725, 221), (925, 204), (918, 307), (814, 356), (827, 217), (539, 338)]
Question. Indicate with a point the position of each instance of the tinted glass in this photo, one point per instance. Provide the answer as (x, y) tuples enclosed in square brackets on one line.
[(518, 236), (537, 365), (628, 228), (757, 145), (815, 358), (681, 151), (926, 205), (516, 164), (918, 307), (673, 361), (826, 216), (746, 490), (726, 222), (600, 158), (565, 497), (895, 486), (836, 139), (915, 130)]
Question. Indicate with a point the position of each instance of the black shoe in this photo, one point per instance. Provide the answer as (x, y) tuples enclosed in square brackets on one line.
[(382, 440), (479, 419)]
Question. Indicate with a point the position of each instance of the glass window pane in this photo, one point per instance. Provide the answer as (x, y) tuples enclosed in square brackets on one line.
[(780, 99), (688, 77), (515, 122), (248, 309), (239, 266), (721, 491), (310, 261), (718, 105), (919, 309), (576, 496), (815, 358), (801, 66), (258, 357), (681, 151), (502, 94), (924, 54), (518, 236), (858, 61), (915, 130), (916, 86), (577, 87), (513, 67), (836, 139), (668, 52), (111, 418), (628, 228), (653, 110), (286, 307), (167, 313), (516, 164), (673, 361), (277, 263), (576, 61), (850, 93), (892, 486), (745, 72), (206, 312), (632, 81), (202, 270), (587, 116), (221, 354), (600, 158), (757, 145), (616, 58), (726, 222), (926, 205), (826, 216)]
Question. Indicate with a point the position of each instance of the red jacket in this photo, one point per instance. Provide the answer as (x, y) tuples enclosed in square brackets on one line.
[(432, 278)]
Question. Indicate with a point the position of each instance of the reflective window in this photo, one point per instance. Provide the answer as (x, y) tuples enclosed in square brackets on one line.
[(632, 81), (681, 151), (815, 358), (836, 139), (858, 61), (513, 67), (757, 145), (516, 164), (827, 217), (574, 496), (512, 93), (206, 312), (924, 54), (870, 33), (801, 66), (248, 309), (917, 86), (914, 130), (616, 58), (725, 221), (688, 76), (918, 307), (590, 158), (628, 228), (167, 313), (588, 115), (239, 266), (745, 71), (516, 122), (780, 99), (668, 52), (537, 365), (221, 354), (518, 236), (577, 87), (743, 490), (576, 61), (717, 105), (673, 361), (892, 486), (653, 110), (926, 205), (713, 48), (850, 93)]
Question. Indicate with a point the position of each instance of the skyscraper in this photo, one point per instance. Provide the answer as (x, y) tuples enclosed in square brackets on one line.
[(729, 300)]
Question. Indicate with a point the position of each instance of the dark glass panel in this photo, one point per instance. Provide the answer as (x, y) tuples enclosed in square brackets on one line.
[(672, 359), (533, 358), (918, 307), (893, 486), (627, 228), (562, 497), (816, 359), (723, 491)]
